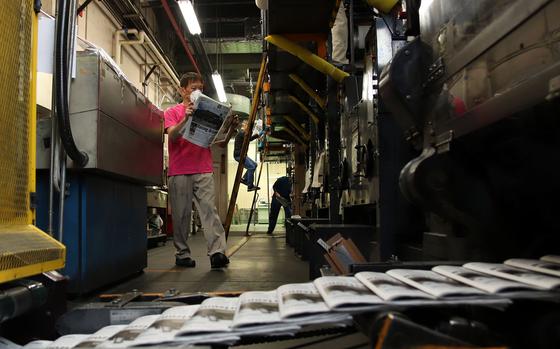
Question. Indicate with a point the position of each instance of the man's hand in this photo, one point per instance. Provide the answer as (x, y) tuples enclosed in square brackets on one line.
[(189, 110), (174, 131)]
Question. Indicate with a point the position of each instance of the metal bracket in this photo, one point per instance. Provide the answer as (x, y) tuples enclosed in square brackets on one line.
[(443, 142), (125, 299), (436, 71)]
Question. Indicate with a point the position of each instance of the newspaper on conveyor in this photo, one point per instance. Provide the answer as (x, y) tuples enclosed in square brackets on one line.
[(258, 313), (389, 288), (38, 344), (66, 342), (100, 336), (257, 308), (300, 299), (551, 258), (346, 293), (211, 323), (304, 305), (488, 283), (125, 337), (166, 326), (433, 283), (7, 344), (209, 121), (535, 265), (516, 274)]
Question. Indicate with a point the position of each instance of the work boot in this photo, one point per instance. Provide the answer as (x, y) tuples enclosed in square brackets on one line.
[(253, 188), (218, 260), (185, 262)]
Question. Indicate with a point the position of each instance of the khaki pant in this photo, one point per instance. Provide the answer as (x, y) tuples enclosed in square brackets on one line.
[(183, 189)]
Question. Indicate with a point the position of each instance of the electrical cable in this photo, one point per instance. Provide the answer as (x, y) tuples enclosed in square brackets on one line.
[(62, 89)]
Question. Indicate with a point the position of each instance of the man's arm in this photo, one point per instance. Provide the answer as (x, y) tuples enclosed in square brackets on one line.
[(174, 131)]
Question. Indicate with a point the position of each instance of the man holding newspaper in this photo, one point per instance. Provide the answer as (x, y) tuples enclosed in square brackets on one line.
[(192, 127)]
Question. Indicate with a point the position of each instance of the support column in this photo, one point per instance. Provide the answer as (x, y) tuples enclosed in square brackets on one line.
[(299, 180), (333, 122)]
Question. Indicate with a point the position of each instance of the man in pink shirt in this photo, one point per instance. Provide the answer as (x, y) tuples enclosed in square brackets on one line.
[(190, 177)]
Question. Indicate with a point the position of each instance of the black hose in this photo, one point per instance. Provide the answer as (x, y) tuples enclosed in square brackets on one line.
[(61, 83)]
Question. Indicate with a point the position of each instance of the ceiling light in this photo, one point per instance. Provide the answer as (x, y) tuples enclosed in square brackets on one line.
[(219, 86), (189, 15)]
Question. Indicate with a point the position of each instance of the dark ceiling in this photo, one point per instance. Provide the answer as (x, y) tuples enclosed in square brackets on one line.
[(231, 33)]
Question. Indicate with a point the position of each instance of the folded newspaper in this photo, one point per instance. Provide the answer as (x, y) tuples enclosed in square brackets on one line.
[(389, 288), (535, 265), (209, 123), (488, 283), (100, 336), (304, 305), (64, 342), (433, 283), (551, 258), (258, 313), (346, 293), (125, 337), (515, 274), (166, 326)]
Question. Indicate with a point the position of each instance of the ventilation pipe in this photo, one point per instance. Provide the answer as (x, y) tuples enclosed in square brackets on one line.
[(141, 39)]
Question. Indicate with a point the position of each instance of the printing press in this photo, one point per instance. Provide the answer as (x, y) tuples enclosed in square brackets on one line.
[(432, 151)]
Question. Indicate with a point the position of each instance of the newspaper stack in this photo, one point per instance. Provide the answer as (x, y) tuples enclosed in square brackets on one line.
[(327, 301), (209, 123)]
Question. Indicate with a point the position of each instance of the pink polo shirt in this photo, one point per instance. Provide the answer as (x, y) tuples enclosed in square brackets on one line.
[(185, 157)]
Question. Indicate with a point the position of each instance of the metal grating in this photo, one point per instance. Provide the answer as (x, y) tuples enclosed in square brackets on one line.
[(24, 249), (15, 62), (22, 246)]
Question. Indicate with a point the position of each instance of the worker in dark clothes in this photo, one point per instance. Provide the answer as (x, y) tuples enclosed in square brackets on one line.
[(249, 164), (281, 197)]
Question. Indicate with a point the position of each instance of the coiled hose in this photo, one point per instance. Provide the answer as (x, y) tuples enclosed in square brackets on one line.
[(62, 59)]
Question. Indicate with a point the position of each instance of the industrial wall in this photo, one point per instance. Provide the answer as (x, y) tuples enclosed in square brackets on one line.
[(97, 25)]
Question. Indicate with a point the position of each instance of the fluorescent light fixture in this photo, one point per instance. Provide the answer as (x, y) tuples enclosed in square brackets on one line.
[(189, 15), (219, 86)]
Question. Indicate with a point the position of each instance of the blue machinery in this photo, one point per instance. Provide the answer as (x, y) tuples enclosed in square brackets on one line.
[(105, 207)]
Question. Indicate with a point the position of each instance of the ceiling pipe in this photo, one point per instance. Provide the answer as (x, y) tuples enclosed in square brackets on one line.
[(118, 43), (142, 39), (180, 35)]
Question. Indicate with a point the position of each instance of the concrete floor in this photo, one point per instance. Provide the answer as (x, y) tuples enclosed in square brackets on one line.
[(261, 262), (255, 228)]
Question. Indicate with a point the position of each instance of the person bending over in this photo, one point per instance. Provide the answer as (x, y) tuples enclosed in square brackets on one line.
[(281, 197)]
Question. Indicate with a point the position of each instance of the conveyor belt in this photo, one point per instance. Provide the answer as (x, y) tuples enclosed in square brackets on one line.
[(358, 303)]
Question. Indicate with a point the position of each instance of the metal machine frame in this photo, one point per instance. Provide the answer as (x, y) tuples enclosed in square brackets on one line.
[(24, 249)]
